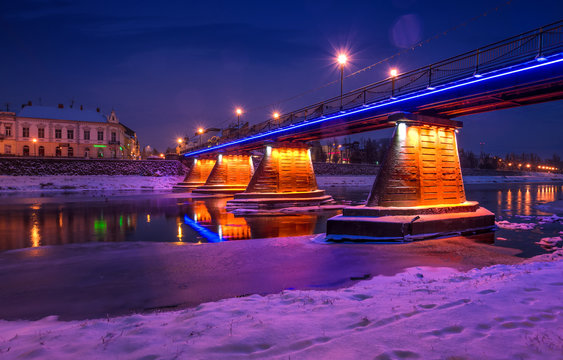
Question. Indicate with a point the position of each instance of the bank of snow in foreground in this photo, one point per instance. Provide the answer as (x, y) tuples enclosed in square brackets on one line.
[(499, 312)]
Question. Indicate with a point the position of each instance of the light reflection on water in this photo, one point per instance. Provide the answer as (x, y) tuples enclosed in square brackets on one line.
[(70, 219)]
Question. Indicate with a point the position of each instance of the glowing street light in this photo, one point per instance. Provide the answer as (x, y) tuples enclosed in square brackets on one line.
[(238, 111), (342, 59), (393, 73), (180, 140), (276, 116), (34, 140), (200, 131)]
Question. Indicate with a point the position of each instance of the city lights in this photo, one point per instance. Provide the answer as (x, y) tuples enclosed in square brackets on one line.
[(393, 72), (342, 59)]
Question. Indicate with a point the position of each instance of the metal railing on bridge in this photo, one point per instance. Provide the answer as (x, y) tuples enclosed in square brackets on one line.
[(536, 44)]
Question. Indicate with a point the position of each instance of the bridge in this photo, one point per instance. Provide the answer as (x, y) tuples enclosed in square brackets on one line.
[(421, 177)]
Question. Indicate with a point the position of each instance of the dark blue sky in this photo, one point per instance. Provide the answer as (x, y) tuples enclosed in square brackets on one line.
[(168, 67)]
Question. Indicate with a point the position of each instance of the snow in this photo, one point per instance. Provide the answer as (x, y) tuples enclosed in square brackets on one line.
[(498, 312), (504, 224), (80, 183), (368, 180)]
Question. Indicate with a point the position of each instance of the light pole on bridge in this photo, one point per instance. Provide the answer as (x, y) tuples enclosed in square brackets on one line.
[(342, 60), (238, 111)]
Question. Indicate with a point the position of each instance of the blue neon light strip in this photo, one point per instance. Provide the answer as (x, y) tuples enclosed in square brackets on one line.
[(363, 108), (209, 235)]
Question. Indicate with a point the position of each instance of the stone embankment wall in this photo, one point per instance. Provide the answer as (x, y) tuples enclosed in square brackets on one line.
[(29, 166)]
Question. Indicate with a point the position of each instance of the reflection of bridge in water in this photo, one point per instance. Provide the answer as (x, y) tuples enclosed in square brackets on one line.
[(210, 220), (419, 190)]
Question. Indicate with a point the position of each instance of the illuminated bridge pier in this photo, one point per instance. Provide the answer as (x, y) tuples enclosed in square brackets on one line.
[(418, 192), (198, 174), (285, 177), (230, 175)]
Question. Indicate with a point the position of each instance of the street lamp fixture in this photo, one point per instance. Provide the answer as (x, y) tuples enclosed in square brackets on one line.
[(393, 73), (238, 111), (342, 59), (180, 140), (200, 131), (34, 140)]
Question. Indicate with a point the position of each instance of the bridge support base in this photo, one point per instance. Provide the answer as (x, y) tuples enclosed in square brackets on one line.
[(197, 175), (284, 178), (418, 192), (230, 175)]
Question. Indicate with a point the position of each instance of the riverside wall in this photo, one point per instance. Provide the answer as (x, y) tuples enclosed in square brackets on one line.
[(42, 166)]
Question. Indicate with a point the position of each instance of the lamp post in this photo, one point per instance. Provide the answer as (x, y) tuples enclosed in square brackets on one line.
[(238, 111), (200, 132), (342, 60), (34, 146), (393, 73), (276, 116)]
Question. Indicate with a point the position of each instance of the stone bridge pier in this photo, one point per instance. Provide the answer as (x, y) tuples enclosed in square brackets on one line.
[(230, 174), (418, 192), (285, 177), (198, 174)]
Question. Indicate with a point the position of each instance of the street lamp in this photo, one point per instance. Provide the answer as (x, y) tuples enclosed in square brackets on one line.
[(200, 131), (238, 111), (34, 146), (180, 141), (342, 60), (393, 73)]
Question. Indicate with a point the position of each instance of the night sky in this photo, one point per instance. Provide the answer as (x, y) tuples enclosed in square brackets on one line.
[(167, 67)]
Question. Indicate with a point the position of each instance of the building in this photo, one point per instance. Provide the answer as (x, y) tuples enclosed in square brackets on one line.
[(65, 132)]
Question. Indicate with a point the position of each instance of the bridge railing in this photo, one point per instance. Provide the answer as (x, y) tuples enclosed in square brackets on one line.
[(535, 44)]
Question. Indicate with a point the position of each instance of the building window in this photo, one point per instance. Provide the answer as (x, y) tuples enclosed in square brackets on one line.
[(26, 150), (87, 153), (7, 149), (113, 136), (70, 152), (41, 133), (58, 151), (8, 131), (100, 135), (58, 134), (25, 132), (86, 134), (41, 151), (70, 134)]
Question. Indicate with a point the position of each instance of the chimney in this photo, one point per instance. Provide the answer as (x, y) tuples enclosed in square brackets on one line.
[(61, 106), (98, 109), (29, 103)]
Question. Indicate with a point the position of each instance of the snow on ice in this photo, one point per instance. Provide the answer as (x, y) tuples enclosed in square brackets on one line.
[(498, 312)]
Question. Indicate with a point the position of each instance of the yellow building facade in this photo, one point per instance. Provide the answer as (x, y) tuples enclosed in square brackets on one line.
[(65, 132)]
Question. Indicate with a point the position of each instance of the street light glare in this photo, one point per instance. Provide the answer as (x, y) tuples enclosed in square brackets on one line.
[(34, 140), (393, 72), (200, 130), (180, 140), (342, 59), (276, 115), (239, 111)]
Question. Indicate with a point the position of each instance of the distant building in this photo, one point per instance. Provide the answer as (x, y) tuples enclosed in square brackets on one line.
[(65, 132)]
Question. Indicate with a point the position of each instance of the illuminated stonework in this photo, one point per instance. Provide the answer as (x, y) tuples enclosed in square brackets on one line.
[(198, 174), (285, 177), (418, 192), (231, 174), (422, 168)]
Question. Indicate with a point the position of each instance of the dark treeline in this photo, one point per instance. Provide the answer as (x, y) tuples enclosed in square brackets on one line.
[(372, 151)]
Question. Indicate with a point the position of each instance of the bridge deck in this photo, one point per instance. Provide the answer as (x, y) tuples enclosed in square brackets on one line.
[(526, 69)]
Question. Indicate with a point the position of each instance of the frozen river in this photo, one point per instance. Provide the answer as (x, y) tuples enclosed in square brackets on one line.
[(59, 219)]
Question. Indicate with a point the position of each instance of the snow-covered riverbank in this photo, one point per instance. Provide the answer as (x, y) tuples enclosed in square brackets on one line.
[(499, 312), (117, 182), (69, 183), (367, 180)]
